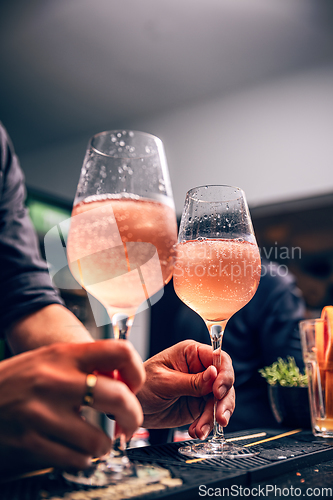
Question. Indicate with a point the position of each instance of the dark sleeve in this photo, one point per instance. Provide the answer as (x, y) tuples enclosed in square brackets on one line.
[(280, 315), (25, 285)]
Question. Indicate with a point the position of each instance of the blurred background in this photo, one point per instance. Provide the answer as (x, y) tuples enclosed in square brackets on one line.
[(240, 92)]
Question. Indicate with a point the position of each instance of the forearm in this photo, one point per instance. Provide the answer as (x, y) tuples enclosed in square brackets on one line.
[(53, 323)]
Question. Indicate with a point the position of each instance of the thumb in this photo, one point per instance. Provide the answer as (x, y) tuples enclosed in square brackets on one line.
[(105, 356), (194, 384)]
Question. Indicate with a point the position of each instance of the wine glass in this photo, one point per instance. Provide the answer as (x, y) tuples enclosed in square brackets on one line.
[(123, 230), (217, 272)]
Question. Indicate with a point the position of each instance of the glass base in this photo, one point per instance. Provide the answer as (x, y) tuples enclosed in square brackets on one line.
[(210, 449), (324, 433), (109, 471), (105, 471)]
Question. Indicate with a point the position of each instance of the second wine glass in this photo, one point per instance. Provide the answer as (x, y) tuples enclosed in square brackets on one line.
[(123, 228), (217, 272)]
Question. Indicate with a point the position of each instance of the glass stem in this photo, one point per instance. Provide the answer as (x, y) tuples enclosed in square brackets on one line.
[(120, 325), (216, 334)]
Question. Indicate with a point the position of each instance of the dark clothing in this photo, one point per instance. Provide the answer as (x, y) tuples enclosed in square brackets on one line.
[(265, 329), (25, 285)]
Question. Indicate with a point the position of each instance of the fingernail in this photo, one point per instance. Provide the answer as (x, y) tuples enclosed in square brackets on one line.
[(88, 463), (205, 429), (227, 415), (222, 391), (206, 375)]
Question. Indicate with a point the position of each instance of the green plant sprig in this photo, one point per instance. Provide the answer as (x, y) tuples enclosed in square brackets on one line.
[(285, 373)]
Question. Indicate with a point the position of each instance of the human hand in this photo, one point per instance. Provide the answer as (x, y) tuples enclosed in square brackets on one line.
[(41, 392), (180, 387)]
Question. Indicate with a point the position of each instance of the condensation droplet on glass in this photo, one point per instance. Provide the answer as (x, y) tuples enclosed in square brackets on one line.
[(119, 134), (131, 133), (122, 143), (130, 171), (113, 138), (147, 149), (120, 170)]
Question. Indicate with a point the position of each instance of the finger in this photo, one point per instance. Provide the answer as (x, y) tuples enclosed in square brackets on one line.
[(199, 356), (224, 381), (225, 408), (205, 354), (114, 397), (109, 396), (65, 426), (203, 425), (192, 428), (187, 384), (108, 355), (45, 452)]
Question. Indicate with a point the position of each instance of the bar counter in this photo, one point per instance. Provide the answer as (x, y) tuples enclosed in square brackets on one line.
[(289, 463)]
